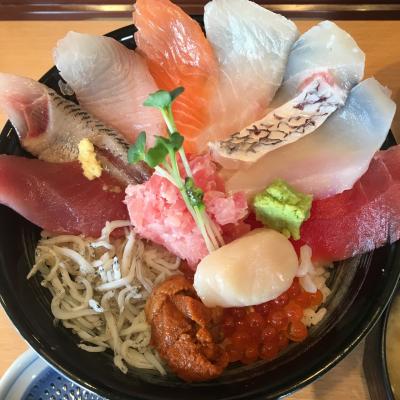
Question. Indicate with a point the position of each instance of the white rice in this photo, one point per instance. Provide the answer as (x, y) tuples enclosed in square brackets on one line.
[(100, 288), (313, 278)]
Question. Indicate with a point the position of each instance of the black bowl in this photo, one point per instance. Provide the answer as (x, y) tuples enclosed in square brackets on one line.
[(375, 363), (361, 288)]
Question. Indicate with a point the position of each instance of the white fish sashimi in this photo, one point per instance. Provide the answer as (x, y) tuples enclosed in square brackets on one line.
[(252, 45), (325, 47), (326, 58), (110, 81), (285, 124), (331, 159), (255, 268)]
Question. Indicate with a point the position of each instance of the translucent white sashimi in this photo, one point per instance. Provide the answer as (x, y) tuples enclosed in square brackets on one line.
[(252, 45), (283, 125), (110, 81), (323, 65), (331, 159), (324, 47)]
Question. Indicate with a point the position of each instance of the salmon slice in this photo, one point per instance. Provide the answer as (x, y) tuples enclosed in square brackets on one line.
[(178, 54)]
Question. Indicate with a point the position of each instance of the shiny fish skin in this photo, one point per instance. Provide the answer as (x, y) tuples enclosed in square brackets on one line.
[(286, 124), (110, 81), (51, 127), (331, 159)]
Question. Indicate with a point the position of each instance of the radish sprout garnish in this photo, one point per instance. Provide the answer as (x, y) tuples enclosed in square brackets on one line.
[(163, 158)]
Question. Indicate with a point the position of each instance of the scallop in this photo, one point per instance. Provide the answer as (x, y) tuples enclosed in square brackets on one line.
[(255, 268)]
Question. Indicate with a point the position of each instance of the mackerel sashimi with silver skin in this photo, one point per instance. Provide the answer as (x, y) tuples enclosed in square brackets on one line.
[(331, 159), (51, 127), (252, 45), (110, 81), (323, 65)]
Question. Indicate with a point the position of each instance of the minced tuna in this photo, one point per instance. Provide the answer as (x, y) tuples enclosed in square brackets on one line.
[(159, 214)]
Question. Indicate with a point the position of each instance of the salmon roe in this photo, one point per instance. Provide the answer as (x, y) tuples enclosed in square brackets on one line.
[(264, 330)]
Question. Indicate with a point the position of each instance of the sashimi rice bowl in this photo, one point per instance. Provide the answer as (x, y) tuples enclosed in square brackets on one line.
[(206, 212)]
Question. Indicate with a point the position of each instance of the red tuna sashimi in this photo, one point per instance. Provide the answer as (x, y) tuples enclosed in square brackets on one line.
[(360, 219), (58, 198), (158, 211)]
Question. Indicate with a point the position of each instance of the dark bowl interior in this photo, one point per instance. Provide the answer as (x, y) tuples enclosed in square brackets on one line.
[(361, 288)]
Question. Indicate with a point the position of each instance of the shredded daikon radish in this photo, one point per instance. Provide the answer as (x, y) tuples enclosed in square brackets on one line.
[(100, 287)]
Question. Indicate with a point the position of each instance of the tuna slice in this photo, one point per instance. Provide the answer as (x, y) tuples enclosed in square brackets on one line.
[(331, 159), (324, 63), (158, 212), (252, 45), (178, 54), (51, 127), (360, 219), (110, 81), (58, 198)]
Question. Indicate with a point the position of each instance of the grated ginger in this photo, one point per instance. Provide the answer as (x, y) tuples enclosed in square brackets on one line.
[(87, 157)]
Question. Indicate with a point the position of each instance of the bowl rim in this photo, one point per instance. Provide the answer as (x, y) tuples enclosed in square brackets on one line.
[(384, 326), (319, 369)]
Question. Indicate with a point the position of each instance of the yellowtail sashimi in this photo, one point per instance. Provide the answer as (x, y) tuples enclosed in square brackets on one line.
[(110, 81)]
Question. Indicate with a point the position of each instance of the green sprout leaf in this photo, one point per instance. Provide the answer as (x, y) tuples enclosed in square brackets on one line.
[(172, 143), (194, 193), (163, 157), (162, 141), (176, 140), (156, 155), (176, 92), (162, 99), (137, 151)]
